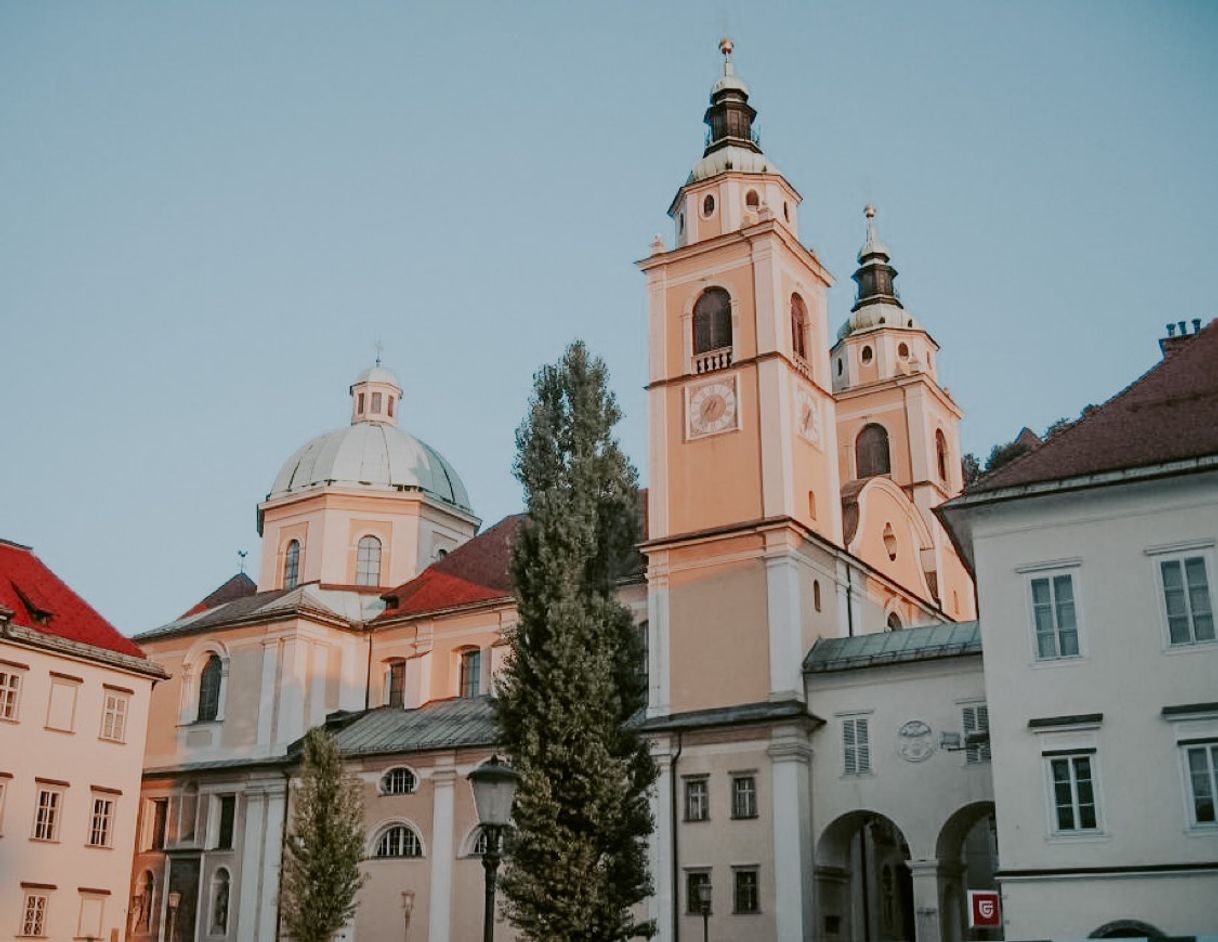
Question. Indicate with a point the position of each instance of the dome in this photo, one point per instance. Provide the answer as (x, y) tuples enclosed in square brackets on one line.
[(875, 316), (373, 455), (740, 159), (377, 374)]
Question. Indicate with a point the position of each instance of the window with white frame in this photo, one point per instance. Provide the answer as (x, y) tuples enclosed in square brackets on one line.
[(977, 726), (1201, 766), (471, 673), (694, 880), (745, 896), (1072, 787), (744, 796), (10, 691), (697, 799), (210, 679), (856, 746), (34, 913), (1186, 598), (398, 840), (156, 817), (47, 812), (368, 561), (92, 912), (395, 682), (398, 781), (114, 714), (61, 705), (224, 813), (1054, 616), (101, 820)]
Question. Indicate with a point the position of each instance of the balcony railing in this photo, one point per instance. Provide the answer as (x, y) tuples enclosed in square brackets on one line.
[(711, 360)]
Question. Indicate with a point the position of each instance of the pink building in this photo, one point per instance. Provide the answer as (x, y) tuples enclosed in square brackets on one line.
[(74, 697)]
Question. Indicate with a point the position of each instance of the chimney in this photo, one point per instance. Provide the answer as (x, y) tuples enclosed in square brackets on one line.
[(1178, 335)]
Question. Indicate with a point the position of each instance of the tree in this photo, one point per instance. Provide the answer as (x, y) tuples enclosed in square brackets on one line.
[(578, 861), (322, 854), (970, 469)]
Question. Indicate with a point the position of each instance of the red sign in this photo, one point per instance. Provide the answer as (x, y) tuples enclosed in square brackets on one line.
[(984, 909)]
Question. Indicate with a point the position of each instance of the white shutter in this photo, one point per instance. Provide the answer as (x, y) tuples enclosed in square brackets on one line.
[(848, 746), (864, 746)]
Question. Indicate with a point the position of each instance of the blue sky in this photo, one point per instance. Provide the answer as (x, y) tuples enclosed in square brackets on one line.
[(209, 212)]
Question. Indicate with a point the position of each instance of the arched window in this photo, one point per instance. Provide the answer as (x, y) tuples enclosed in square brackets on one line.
[(395, 683), (209, 689), (941, 453), (145, 891), (368, 561), (752, 200), (399, 781), (894, 622), (471, 673), (866, 355), (871, 451), (712, 321), (219, 902), (291, 565), (799, 327), (398, 840)]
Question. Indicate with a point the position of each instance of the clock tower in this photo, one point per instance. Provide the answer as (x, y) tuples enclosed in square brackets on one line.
[(743, 456)]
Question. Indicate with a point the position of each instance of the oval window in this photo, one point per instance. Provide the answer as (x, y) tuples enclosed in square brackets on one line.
[(866, 355), (903, 351), (708, 205)]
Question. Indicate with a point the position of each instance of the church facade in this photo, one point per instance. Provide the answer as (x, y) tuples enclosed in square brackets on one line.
[(817, 698)]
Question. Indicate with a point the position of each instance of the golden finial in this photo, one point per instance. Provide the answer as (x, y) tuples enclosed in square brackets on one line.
[(869, 211), (725, 47)]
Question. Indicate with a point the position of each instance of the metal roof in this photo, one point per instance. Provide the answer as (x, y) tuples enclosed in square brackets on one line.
[(441, 724), (894, 647), (739, 715)]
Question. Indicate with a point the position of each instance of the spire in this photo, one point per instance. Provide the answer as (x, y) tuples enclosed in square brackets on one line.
[(874, 276), (730, 117)]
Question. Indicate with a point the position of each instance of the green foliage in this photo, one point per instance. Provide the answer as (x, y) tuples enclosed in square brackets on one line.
[(1004, 454), (321, 859), (970, 468), (578, 864), (1059, 426)]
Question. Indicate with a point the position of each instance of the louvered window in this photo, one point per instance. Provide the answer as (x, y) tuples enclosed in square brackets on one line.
[(871, 455), (976, 723), (712, 321), (856, 745)]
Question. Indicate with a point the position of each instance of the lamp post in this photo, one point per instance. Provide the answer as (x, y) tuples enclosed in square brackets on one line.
[(704, 903), (175, 900), (494, 785)]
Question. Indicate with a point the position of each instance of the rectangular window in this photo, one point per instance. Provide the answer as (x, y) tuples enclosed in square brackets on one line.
[(1202, 762), (1054, 617), (471, 673), (745, 896), (101, 821), (61, 708), (697, 800), (92, 909), (46, 815), (224, 832), (693, 895), (34, 914), (1186, 597), (114, 716), (376, 402), (1074, 802), (395, 684), (856, 746), (156, 814), (977, 726), (10, 692), (744, 796)]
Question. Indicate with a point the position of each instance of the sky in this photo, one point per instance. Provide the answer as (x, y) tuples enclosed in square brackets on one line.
[(210, 212)]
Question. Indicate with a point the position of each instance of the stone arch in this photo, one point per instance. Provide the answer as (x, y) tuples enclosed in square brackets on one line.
[(966, 857), (1127, 929), (955, 829), (863, 876)]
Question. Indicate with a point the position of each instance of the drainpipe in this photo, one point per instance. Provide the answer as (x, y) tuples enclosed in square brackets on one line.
[(368, 672), (849, 601), (676, 885)]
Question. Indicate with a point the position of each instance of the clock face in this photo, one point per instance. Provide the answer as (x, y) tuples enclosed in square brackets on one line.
[(807, 417), (712, 408)]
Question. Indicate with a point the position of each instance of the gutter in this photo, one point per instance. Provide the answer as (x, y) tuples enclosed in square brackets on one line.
[(40, 639), (676, 867)]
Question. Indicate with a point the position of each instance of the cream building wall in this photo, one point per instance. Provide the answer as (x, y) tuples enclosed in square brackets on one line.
[(56, 742), (1147, 859)]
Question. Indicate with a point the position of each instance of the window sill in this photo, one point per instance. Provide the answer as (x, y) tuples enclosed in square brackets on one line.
[(45, 840), (745, 817), (695, 820), (746, 912), (99, 846), (854, 776), (15, 720), (1190, 647), (56, 729), (1069, 660), (1078, 837), (113, 742)]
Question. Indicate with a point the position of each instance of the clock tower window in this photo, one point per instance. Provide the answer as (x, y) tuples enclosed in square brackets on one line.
[(871, 452), (799, 327), (713, 330)]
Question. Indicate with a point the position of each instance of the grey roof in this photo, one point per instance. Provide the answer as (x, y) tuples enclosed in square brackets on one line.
[(351, 606), (441, 724), (373, 455), (738, 715), (894, 647)]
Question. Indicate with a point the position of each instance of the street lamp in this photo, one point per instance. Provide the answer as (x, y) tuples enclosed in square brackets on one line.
[(494, 785), (175, 900), (704, 901)]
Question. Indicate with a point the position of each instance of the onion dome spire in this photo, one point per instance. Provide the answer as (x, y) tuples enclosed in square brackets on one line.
[(874, 276), (730, 117)]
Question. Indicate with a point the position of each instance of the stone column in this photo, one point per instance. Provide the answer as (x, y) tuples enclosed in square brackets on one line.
[(660, 903), (440, 905), (252, 829), (790, 757), (926, 899)]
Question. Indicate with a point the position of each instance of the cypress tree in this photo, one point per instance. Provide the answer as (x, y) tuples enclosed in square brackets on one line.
[(321, 858), (577, 866)]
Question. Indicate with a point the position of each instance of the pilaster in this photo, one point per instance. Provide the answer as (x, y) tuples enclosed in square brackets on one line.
[(443, 780), (790, 758), (784, 622), (927, 923)]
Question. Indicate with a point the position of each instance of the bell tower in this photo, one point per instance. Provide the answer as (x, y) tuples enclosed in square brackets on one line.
[(743, 439)]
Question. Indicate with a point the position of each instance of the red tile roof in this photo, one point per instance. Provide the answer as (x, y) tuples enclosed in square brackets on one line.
[(238, 587), (477, 571), (42, 602), (1168, 414)]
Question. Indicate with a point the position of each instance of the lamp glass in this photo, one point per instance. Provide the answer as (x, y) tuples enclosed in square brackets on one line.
[(704, 893), (494, 787)]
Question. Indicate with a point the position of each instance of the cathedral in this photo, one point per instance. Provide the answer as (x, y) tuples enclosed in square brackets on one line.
[(817, 698)]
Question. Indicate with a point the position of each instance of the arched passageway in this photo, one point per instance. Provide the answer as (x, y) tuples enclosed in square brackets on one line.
[(864, 883), (967, 851)]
